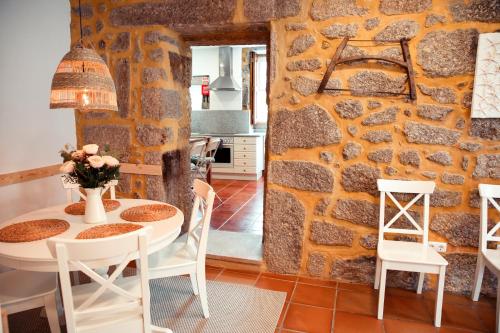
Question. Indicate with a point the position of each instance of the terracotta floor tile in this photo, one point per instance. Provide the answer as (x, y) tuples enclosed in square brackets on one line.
[(454, 330), (282, 314), (233, 276), (314, 295), (355, 323), (307, 318), (365, 288), (401, 326), (406, 308), (487, 314), (277, 285), (463, 317), (212, 272), (356, 302), (318, 282)]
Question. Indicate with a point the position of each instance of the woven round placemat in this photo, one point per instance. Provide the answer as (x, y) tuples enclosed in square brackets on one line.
[(108, 230), (148, 213), (78, 208), (29, 231)]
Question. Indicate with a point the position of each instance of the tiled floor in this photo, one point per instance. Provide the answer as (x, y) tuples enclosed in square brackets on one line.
[(316, 306), (241, 208)]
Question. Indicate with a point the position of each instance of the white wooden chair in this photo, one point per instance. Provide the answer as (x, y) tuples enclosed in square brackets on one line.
[(407, 256), (72, 187), (488, 257), (23, 290), (189, 257), (105, 305), (197, 153)]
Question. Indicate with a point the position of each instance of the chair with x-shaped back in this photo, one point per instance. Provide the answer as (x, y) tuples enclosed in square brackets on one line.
[(403, 255)]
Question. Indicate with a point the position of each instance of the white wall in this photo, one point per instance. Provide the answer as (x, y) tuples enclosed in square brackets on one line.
[(206, 62), (34, 36)]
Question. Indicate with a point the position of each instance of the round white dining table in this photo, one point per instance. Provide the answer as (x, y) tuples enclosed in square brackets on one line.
[(36, 256)]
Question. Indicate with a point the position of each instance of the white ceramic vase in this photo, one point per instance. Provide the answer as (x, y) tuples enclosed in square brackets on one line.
[(94, 208)]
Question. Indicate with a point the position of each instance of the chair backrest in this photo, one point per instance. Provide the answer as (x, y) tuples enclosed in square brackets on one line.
[(198, 148), (489, 194), (212, 146), (200, 218), (72, 186), (85, 255), (419, 188)]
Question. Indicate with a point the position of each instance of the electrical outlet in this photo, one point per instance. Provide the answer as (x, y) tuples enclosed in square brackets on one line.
[(438, 246)]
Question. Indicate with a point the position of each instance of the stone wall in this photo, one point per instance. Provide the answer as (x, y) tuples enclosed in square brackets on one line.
[(325, 150), (151, 68)]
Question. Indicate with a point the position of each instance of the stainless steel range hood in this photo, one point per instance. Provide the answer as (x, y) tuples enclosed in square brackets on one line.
[(225, 81)]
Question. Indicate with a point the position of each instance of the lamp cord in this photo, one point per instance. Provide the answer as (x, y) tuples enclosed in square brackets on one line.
[(81, 30)]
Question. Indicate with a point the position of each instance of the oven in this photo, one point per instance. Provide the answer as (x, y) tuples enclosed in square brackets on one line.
[(224, 157)]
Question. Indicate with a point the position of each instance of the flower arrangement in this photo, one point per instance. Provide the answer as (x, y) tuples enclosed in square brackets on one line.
[(89, 168)]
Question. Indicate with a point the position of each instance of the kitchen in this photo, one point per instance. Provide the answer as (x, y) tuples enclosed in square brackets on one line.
[(228, 102)]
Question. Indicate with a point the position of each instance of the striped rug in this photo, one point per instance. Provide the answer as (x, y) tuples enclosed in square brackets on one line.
[(233, 308)]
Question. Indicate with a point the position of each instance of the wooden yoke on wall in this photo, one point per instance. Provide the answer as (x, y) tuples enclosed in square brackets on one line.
[(406, 64)]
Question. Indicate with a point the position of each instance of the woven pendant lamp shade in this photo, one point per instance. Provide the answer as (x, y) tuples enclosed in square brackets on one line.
[(82, 81)]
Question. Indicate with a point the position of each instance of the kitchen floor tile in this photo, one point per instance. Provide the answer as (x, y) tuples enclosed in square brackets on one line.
[(233, 276), (463, 317), (314, 295), (356, 302), (402, 326), (408, 308), (277, 285)]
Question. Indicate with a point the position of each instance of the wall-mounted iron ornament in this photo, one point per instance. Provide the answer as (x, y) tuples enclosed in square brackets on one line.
[(406, 64)]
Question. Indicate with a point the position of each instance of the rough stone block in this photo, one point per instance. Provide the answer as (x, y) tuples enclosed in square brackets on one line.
[(156, 54), (465, 163), (301, 175), (295, 26), (265, 10), (355, 270), (433, 19), (443, 54), (325, 9), (487, 166), (452, 178), (470, 146), (153, 74), (381, 155), (325, 233), (377, 136), (352, 130), (117, 137), (326, 156), (460, 275), (159, 103), (301, 44), (121, 43), (442, 95), (398, 7), (181, 68), (475, 10), (360, 177), (441, 157), (308, 127), (316, 263), (372, 83), (433, 112), (148, 135), (443, 198), (369, 242), (374, 105), (307, 86), (372, 23), (322, 206), (467, 100), (304, 65), (485, 128), (284, 232), (173, 12), (390, 170), (383, 117), (351, 150), (427, 134), (398, 30), (154, 188), (429, 174), (410, 157), (153, 37), (349, 109), (152, 157), (122, 85), (338, 30)]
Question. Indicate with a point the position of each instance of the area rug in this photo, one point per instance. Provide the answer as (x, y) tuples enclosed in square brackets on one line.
[(233, 308)]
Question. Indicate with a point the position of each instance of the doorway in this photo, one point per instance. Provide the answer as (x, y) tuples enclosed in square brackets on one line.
[(237, 115)]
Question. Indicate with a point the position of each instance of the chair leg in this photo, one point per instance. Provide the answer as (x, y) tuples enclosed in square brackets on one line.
[(202, 287), (4, 324), (160, 329), (52, 315), (439, 298), (478, 278), (381, 292), (497, 322), (377, 274), (194, 283), (420, 286)]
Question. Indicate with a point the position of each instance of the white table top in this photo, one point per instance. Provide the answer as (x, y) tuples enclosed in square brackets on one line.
[(35, 256)]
